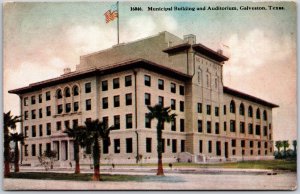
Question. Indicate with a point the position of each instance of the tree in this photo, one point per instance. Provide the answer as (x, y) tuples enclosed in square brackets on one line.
[(9, 123), (285, 145), (17, 137), (95, 131), (47, 158), (295, 147), (278, 145), (77, 133), (162, 115)]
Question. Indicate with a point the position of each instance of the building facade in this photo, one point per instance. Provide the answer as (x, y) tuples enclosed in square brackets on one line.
[(213, 122)]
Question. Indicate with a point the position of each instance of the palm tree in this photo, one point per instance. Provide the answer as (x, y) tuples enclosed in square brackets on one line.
[(278, 145), (285, 145), (77, 132), (295, 146), (17, 137), (162, 115), (9, 123), (95, 131)]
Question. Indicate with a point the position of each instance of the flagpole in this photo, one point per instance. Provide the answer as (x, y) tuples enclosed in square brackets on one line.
[(118, 19)]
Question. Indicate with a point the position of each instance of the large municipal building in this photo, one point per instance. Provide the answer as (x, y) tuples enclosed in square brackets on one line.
[(213, 123)]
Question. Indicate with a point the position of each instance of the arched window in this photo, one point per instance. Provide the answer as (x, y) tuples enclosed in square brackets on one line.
[(250, 111), (258, 113), (75, 91), (232, 106), (67, 92), (265, 116), (242, 109), (58, 94)]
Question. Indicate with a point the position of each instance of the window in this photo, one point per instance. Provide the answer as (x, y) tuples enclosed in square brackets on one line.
[(181, 90), (105, 143), (40, 130), (147, 80), (242, 109), (105, 103), (208, 109), (208, 80), (116, 83), (173, 104), (233, 143), (88, 87), (40, 149), (117, 146), (265, 115), (48, 110), (251, 144), (181, 125), (209, 146), (174, 145), (67, 124), (208, 127), (242, 127), (26, 131), (88, 104), (266, 144), (58, 125), (200, 146), (199, 76), (33, 131), (48, 128), (258, 144), (216, 83), (26, 101), (257, 130), (48, 146), (160, 84), (104, 85), (181, 106), (163, 145), (182, 146), (76, 106), (224, 109), (75, 123), (216, 111), (168, 142), (250, 111), (40, 113), (173, 125), (116, 101), (217, 128), (173, 88), (147, 122), (265, 130), (33, 116), (68, 107), (25, 115), (40, 98), (67, 92), (48, 96), (32, 99), (75, 91), (242, 143), (58, 94), (232, 106), (128, 99), (258, 114), (233, 152), (105, 122), (147, 99), (128, 81), (59, 109), (200, 126), (128, 145), (161, 100), (250, 128), (33, 151), (117, 122), (148, 145), (199, 107), (232, 125), (129, 121)]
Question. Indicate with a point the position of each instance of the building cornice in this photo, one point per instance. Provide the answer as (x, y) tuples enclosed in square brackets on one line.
[(200, 48)]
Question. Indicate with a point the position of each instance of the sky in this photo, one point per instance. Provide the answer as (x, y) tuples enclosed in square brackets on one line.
[(40, 39)]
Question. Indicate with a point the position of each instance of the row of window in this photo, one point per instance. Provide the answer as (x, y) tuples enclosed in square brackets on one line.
[(40, 98), (33, 149), (232, 127), (161, 85), (250, 111), (34, 130)]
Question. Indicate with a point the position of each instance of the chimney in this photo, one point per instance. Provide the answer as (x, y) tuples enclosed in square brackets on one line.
[(220, 51), (190, 38), (67, 70)]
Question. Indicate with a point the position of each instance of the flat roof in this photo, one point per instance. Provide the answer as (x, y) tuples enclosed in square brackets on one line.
[(113, 68), (239, 94), (200, 48)]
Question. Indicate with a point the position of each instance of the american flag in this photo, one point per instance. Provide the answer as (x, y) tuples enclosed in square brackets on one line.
[(111, 14)]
